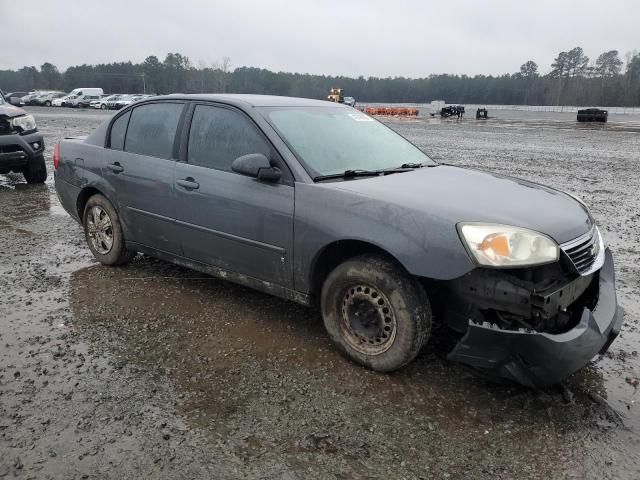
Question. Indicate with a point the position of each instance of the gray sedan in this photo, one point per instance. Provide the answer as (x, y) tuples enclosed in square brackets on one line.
[(321, 204)]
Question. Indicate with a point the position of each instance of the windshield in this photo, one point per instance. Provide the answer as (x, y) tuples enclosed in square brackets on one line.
[(331, 140)]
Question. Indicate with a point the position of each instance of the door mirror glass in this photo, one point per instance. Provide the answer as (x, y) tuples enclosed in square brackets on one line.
[(256, 165)]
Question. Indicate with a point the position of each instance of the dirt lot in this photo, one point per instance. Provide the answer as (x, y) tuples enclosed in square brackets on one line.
[(154, 371)]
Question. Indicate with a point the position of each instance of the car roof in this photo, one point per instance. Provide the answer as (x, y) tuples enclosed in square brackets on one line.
[(251, 100)]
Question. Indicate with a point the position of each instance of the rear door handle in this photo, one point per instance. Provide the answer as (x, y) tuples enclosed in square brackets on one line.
[(116, 167), (188, 183)]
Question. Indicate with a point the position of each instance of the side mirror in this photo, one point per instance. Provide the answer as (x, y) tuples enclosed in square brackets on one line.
[(256, 165)]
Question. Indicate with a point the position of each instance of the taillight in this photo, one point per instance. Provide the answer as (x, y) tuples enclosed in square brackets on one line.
[(56, 156)]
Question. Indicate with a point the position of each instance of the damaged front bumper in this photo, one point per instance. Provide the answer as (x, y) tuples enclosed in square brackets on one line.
[(536, 359)]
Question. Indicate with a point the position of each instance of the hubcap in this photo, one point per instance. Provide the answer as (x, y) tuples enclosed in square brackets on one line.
[(100, 230), (368, 321)]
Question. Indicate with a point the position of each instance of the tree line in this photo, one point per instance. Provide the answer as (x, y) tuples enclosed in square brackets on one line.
[(572, 80)]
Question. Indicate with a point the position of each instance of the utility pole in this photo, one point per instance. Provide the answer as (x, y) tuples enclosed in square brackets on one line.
[(144, 84)]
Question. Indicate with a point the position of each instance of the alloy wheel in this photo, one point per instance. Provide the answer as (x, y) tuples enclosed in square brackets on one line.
[(100, 230)]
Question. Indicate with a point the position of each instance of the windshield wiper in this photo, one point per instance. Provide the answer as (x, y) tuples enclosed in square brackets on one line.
[(350, 174), (371, 173)]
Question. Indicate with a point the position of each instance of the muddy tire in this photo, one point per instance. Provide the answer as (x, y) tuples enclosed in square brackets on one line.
[(375, 312), (36, 170), (103, 232)]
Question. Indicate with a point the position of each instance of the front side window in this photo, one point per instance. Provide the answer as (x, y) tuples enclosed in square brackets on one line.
[(152, 129), (118, 130), (219, 135)]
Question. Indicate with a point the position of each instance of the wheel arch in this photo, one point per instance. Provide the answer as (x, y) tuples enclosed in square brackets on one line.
[(84, 196), (337, 252)]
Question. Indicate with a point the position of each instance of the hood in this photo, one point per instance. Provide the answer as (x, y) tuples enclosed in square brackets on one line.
[(10, 111), (453, 194)]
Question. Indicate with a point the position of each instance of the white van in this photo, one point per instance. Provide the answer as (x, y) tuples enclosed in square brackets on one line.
[(82, 97), (78, 92)]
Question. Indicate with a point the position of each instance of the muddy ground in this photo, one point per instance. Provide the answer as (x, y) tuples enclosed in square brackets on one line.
[(154, 371)]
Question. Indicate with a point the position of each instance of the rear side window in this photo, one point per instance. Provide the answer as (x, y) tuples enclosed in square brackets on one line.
[(218, 136), (152, 129), (118, 129)]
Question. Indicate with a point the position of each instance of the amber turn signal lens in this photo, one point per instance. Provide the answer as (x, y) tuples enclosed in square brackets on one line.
[(499, 244)]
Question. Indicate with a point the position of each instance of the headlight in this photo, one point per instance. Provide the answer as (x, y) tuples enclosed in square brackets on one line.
[(26, 123), (504, 246)]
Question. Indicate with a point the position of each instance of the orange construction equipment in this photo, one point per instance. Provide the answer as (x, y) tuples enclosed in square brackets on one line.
[(392, 111)]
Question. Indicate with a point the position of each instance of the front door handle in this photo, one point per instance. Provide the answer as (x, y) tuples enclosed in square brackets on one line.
[(116, 167), (188, 183)]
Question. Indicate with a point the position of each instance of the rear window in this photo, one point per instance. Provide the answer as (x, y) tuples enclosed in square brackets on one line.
[(118, 130), (152, 129)]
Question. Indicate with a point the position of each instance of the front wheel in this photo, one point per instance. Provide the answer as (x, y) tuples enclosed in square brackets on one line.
[(375, 312), (36, 170), (103, 232), (47, 103), (103, 107)]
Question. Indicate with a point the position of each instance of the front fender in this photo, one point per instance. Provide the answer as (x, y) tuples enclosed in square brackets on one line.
[(427, 246)]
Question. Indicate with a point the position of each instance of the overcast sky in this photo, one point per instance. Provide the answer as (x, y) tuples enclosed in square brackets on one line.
[(349, 37)]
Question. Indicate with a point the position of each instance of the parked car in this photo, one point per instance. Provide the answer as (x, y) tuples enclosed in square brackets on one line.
[(15, 98), (126, 100), (60, 102), (30, 97), (350, 101), (81, 101), (21, 145), (46, 100), (382, 238), (112, 103), (103, 102)]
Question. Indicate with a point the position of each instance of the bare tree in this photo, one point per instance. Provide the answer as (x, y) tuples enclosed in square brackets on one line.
[(225, 66)]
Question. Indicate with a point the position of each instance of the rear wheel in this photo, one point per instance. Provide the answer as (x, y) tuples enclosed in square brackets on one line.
[(36, 170), (103, 232), (47, 103), (375, 312), (103, 106)]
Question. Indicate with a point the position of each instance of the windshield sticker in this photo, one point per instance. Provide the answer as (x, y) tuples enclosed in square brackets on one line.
[(359, 117)]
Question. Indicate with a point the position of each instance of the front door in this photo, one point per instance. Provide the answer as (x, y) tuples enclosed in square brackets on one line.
[(229, 220)]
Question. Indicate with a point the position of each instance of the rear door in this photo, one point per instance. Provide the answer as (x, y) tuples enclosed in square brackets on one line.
[(229, 220), (140, 167)]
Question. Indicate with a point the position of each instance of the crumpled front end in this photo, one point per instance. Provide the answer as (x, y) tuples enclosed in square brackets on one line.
[(535, 332)]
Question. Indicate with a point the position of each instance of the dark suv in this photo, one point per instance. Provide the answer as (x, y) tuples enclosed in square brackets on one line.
[(21, 145)]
